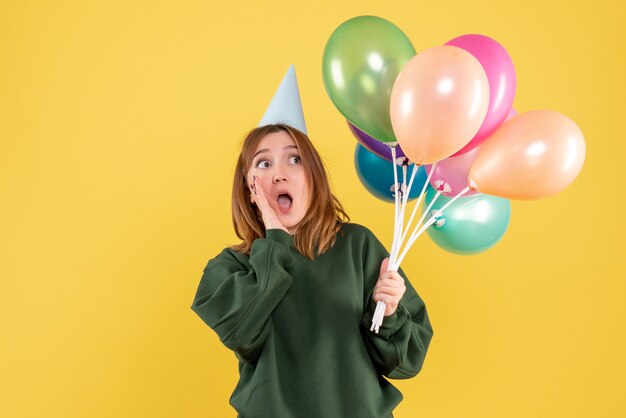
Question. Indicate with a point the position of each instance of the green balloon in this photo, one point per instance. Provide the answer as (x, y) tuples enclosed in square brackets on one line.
[(361, 62), (471, 224)]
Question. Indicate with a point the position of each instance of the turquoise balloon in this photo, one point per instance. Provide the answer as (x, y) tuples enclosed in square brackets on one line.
[(360, 64), (471, 224), (376, 175)]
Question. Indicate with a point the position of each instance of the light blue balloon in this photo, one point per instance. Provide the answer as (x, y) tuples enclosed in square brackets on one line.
[(471, 224), (376, 174)]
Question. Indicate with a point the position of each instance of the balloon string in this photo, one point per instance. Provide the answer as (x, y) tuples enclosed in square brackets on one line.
[(425, 212), (415, 237), (377, 319), (405, 199), (379, 313), (417, 230), (432, 220), (404, 194), (400, 187), (395, 219), (461, 193), (419, 200)]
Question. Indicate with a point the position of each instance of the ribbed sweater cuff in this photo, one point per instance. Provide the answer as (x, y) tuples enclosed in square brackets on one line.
[(391, 324), (280, 236)]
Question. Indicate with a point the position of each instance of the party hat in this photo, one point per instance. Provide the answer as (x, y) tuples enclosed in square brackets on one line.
[(286, 106)]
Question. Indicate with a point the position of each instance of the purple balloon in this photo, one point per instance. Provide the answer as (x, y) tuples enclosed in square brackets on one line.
[(374, 145), (501, 76)]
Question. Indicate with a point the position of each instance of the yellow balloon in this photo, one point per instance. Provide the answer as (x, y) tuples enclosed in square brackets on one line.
[(531, 156)]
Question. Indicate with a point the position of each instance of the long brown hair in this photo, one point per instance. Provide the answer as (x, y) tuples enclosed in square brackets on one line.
[(317, 231)]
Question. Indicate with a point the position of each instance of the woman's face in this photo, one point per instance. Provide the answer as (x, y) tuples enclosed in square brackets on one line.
[(279, 171)]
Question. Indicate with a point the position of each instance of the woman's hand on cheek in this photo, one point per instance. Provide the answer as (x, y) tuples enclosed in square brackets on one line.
[(390, 288), (270, 220)]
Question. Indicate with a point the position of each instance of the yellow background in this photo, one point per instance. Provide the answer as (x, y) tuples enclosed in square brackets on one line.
[(120, 122)]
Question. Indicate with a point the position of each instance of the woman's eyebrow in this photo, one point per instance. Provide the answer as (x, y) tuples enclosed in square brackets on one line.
[(260, 151), (267, 150)]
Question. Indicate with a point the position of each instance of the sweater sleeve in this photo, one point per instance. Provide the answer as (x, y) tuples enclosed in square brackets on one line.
[(399, 349), (236, 296)]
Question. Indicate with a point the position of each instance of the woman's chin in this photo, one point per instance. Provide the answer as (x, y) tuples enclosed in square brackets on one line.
[(289, 223)]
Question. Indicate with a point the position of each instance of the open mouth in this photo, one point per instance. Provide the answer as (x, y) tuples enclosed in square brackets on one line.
[(285, 201)]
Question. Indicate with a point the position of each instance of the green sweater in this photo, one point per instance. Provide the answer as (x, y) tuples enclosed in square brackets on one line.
[(300, 328)]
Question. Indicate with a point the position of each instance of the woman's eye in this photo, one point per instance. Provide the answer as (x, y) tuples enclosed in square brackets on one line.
[(294, 159), (263, 164)]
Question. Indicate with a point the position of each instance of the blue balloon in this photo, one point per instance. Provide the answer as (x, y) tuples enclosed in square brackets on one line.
[(471, 224), (376, 174)]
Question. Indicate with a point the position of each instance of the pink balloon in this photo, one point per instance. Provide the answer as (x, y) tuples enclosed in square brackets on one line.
[(450, 174), (501, 75)]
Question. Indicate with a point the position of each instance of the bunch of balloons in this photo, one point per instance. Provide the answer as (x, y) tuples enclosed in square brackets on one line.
[(444, 110), (448, 111)]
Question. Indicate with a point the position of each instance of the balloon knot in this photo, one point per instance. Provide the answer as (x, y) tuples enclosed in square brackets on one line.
[(442, 186)]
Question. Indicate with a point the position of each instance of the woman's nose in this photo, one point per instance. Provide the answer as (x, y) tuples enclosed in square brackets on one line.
[(279, 173), (279, 178)]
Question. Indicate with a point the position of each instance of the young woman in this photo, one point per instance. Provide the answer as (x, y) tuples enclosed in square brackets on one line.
[(295, 299)]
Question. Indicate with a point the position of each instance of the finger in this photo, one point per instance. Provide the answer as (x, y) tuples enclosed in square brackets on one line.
[(389, 290), (384, 266), (393, 275), (260, 194), (258, 198), (253, 195), (257, 194), (258, 190), (388, 282), (270, 218), (391, 283), (389, 300), (265, 202)]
